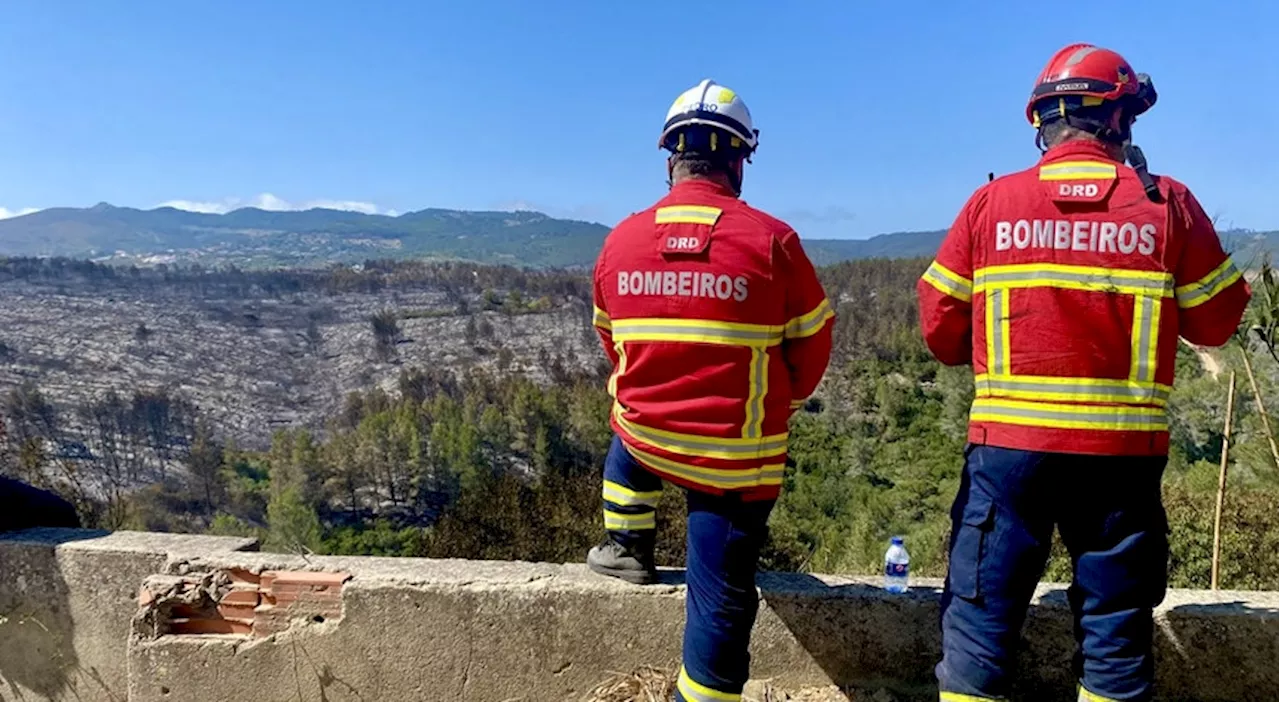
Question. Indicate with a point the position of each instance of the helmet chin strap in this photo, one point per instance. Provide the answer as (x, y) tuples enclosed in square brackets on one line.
[(1136, 159), (735, 178)]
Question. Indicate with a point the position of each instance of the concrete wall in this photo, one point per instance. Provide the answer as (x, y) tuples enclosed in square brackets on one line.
[(66, 599), (364, 629)]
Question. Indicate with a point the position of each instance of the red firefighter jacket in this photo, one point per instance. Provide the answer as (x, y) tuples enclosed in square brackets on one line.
[(1067, 288), (718, 330)]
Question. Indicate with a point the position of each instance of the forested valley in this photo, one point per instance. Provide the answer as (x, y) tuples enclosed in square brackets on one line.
[(478, 461)]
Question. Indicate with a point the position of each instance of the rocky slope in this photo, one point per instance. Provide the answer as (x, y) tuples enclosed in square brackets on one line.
[(252, 366)]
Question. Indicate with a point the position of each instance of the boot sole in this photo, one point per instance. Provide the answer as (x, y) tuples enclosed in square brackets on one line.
[(635, 577)]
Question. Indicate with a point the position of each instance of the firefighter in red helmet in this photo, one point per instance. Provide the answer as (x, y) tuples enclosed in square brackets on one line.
[(1066, 286)]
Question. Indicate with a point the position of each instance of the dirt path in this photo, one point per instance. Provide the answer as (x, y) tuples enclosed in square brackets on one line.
[(1211, 364)]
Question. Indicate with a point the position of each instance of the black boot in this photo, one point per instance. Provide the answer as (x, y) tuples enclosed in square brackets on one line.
[(633, 564)]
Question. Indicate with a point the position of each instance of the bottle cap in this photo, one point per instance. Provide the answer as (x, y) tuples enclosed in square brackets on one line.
[(896, 541)]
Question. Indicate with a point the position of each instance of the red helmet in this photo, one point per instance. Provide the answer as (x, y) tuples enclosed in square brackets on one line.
[(1086, 76)]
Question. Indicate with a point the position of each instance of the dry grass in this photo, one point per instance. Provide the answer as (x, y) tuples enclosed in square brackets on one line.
[(647, 684), (650, 684)]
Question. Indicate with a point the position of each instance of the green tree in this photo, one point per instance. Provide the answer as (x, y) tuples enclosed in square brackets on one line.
[(292, 523)]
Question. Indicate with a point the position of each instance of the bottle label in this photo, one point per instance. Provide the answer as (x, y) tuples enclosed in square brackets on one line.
[(895, 570)]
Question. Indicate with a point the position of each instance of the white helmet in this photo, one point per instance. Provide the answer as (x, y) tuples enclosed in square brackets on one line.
[(703, 111)]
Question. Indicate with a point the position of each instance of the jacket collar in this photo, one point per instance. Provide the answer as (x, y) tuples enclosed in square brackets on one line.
[(1078, 148), (700, 186)]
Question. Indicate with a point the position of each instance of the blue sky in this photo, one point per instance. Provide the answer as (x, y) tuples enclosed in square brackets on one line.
[(872, 119)]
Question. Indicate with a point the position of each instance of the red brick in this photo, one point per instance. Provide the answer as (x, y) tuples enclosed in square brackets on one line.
[(266, 582), (237, 596), (237, 612), (310, 578), (292, 590), (208, 626)]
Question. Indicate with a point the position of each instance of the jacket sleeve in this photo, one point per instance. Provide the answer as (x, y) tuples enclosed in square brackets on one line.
[(945, 292), (600, 314), (1211, 292), (806, 338)]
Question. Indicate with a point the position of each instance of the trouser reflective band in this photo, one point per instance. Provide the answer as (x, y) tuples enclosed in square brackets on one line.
[(1086, 696), (624, 496), (614, 521), (630, 494), (693, 691), (628, 510), (958, 697)]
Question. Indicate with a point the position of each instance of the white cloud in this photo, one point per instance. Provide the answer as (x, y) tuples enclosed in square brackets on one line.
[(268, 201), (6, 213), (586, 213), (192, 206), (520, 206)]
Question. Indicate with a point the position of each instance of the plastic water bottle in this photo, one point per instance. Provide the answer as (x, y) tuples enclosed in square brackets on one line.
[(896, 566)]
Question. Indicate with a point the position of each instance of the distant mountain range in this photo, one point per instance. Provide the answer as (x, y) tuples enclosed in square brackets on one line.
[(252, 237)]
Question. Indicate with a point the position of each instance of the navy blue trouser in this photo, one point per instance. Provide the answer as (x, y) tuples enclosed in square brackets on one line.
[(1109, 512), (725, 536)]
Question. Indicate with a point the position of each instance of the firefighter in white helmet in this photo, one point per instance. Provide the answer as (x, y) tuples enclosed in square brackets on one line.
[(718, 330)]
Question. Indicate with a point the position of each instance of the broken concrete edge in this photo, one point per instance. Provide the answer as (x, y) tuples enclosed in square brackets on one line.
[(149, 542), (374, 572), (234, 600)]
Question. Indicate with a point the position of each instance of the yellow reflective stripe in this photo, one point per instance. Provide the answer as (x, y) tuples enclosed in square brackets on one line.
[(1066, 416), (1050, 275), (948, 282), (1086, 696), (809, 323), (704, 331), (988, 318), (797, 404), (757, 388), (1135, 336), (616, 521), (599, 318), (617, 372), (1054, 388), (693, 445), (1004, 330), (1143, 338), (687, 214), (1078, 170), (997, 319), (723, 478), (958, 697), (623, 496), (694, 691), (1203, 290)]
